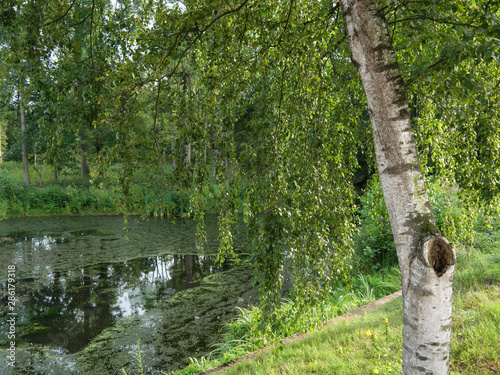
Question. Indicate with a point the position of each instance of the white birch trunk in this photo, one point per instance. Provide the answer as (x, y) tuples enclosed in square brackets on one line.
[(426, 259)]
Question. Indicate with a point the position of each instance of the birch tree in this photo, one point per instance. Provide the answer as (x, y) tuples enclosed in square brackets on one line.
[(426, 258), (289, 53), (283, 67), (24, 148)]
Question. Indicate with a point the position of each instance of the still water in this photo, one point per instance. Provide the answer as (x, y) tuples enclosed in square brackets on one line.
[(89, 288)]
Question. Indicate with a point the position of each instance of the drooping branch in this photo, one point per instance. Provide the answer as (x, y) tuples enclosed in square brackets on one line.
[(286, 23), (205, 29), (61, 17), (433, 65), (433, 19)]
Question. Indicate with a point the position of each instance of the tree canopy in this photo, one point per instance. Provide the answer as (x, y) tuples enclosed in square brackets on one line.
[(260, 96)]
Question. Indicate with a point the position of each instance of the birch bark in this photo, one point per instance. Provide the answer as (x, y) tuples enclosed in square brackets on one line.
[(426, 259)]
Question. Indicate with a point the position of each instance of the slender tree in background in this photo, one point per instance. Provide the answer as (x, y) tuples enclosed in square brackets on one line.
[(24, 148)]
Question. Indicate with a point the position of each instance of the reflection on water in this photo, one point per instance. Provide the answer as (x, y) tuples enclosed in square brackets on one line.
[(73, 283)]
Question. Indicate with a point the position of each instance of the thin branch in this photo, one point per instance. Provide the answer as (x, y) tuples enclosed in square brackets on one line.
[(281, 93), (234, 10), (442, 59), (154, 119), (60, 18), (337, 45), (334, 10), (437, 20), (80, 22), (91, 43), (172, 47), (286, 23)]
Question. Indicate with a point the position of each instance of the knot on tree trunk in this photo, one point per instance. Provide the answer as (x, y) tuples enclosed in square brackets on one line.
[(439, 254)]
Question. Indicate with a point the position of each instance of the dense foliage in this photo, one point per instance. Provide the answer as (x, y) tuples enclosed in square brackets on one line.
[(258, 98)]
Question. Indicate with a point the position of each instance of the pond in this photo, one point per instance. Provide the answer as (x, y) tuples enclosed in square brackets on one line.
[(88, 289)]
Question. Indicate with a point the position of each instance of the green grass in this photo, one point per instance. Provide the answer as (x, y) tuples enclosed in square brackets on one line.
[(371, 344)]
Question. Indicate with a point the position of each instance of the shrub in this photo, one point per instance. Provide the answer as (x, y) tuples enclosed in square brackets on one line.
[(14, 194), (105, 198), (53, 199), (80, 199), (453, 219), (374, 243)]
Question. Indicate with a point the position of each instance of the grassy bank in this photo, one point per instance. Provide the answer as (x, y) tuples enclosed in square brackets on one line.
[(371, 344)]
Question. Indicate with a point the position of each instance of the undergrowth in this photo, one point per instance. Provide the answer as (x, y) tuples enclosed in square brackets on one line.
[(149, 195), (374, 243)]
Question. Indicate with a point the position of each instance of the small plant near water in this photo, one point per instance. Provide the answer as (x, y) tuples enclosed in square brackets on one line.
[(138, 361)]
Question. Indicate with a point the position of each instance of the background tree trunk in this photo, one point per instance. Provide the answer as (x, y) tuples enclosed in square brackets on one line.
[(85, 163), (0, 143), (24, 149), (83, 152), (426, 259)]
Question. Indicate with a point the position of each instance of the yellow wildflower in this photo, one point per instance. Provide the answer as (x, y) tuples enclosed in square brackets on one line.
[(368, 333), (375, 371)]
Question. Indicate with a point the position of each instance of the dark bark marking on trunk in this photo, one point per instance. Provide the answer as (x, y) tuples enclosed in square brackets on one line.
[(423, 293), (441, 257), (387, 68), (421, 369), (408, 322), (382, 48), (404, 113), (421, 357), (396, 170)]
